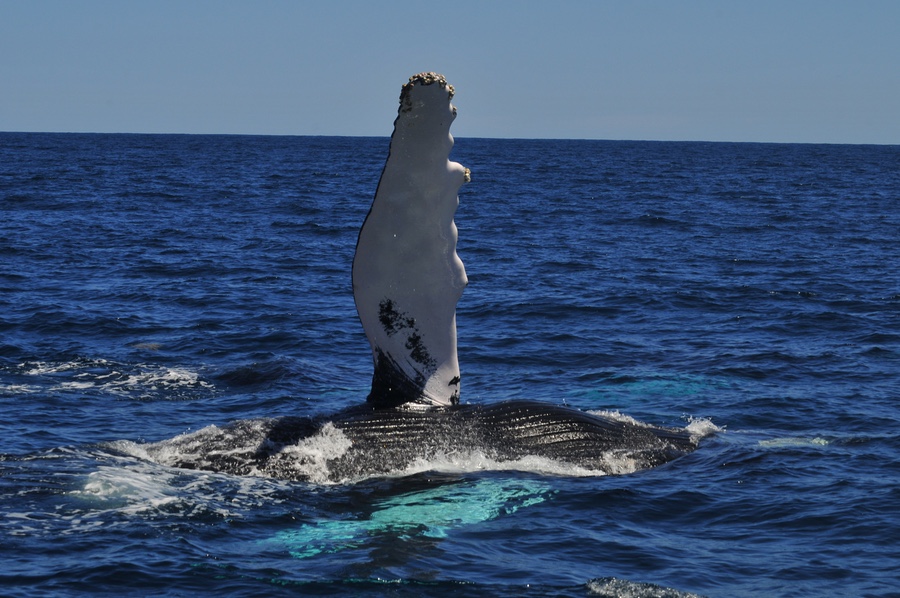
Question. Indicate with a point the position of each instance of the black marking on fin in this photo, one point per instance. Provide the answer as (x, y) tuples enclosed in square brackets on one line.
[(418, 351), (391, 387), (394, 321)]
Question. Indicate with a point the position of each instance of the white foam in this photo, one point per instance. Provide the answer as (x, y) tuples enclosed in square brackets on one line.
[(133, 490), (17, 389), (149, 489), (620, 417), (622, 588), (166, 378), (477, 461), (177, 448), (132, 449), (698, 428), (118, 379), (310, 456), (75, 385), (701, 428), (41, 368)]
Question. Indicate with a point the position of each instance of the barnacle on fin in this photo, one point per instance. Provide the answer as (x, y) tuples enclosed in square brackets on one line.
[(423, 79)]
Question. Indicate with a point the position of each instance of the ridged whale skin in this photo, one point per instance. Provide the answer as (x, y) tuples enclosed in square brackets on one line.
[(407, 279), (366, 441)]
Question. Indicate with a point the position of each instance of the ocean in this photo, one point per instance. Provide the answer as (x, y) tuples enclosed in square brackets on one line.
[(152, 285)]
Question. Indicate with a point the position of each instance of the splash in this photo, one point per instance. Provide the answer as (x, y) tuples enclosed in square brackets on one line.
[(310, 456), (700, 428)]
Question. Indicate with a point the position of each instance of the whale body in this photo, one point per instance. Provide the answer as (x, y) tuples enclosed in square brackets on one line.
[(407, 279), (366, 441)]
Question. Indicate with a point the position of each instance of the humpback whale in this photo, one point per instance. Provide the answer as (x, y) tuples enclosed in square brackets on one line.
[(407, 279)]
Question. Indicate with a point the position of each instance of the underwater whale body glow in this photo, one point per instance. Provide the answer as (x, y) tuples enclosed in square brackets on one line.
[(407, 279)]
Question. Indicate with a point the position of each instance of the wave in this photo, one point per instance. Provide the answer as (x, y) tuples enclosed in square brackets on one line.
[(140, 380)]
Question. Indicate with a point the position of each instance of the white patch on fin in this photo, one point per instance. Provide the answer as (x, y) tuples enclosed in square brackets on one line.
[(407, 277)]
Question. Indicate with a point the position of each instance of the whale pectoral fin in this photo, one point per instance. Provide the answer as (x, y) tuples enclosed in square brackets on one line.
[(407, 277)]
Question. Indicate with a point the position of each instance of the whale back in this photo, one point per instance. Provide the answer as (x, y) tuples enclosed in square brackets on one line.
[(365, 441)]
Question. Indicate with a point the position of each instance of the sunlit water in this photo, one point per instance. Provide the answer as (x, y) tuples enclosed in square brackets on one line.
[(155, 285)]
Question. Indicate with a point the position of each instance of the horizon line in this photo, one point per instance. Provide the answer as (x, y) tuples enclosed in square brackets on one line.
[(456, 137)]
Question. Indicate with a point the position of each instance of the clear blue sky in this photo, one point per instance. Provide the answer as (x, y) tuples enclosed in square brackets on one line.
[(717, 70)]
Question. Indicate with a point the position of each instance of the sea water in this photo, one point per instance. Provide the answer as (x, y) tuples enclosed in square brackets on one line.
[(152, 285)]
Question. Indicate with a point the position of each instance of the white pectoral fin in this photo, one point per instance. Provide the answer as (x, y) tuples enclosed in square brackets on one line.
[(407, 277)]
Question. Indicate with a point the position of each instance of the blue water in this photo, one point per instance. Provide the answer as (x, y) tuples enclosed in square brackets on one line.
[(154, 285)]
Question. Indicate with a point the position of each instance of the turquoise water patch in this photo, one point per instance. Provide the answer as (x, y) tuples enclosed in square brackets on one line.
[(431, 513), (639, 385), (792, 441)]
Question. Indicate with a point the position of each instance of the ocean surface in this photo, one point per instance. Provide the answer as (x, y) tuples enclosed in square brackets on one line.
[(152, 285)]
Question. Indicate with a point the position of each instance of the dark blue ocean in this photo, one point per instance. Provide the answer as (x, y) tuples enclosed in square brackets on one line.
[(152, 285)]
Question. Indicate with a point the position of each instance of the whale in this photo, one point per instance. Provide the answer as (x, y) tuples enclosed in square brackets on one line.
[(407, 279), (365, 441)]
